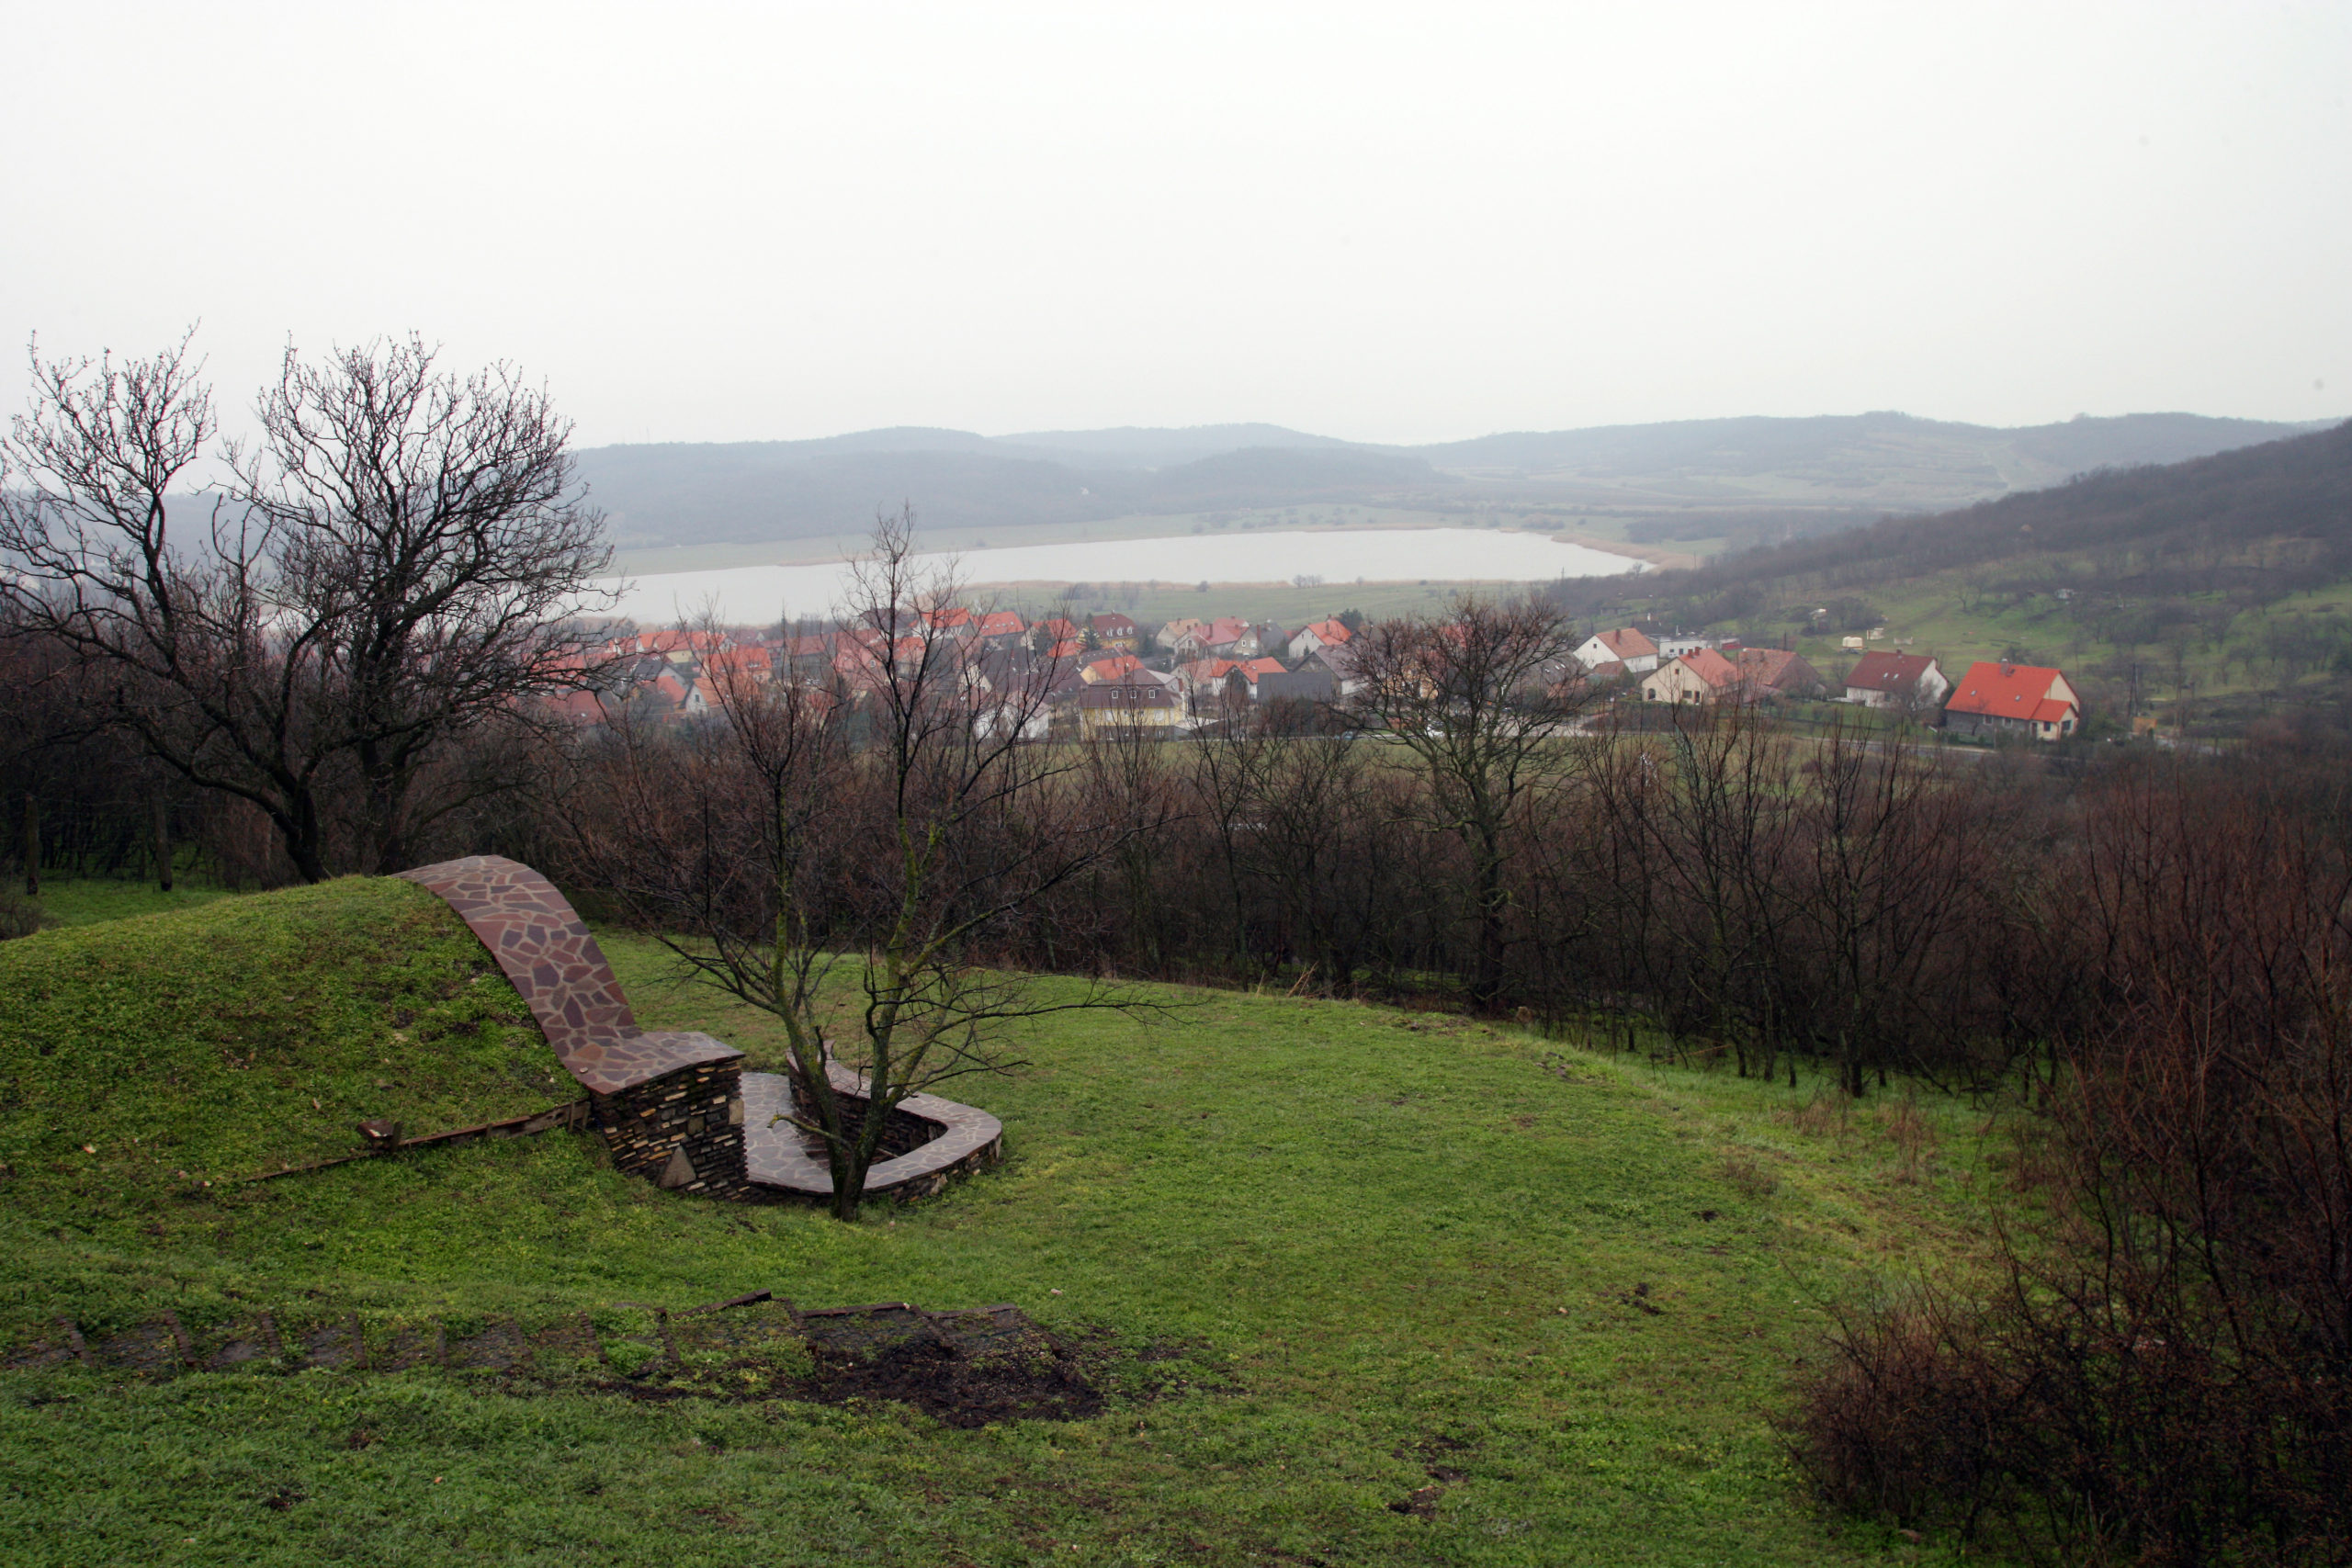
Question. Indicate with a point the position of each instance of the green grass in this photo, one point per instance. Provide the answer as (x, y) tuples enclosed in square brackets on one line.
[(146, 1055), (1388, 1242), (82, 901)]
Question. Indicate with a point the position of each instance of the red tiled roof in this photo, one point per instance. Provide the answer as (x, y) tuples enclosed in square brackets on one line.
[(1889, 671), (582, 707), (1257, 666), (1710, 667), (1114, 625), (1627, 643), (1000, 623), (1116, 666), (1775, 668), (2011, 691)]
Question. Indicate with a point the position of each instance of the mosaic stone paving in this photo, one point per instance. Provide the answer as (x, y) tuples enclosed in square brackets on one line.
[(547, 952)]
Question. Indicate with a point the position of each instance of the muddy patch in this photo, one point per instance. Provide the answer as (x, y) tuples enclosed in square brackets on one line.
[(965, 1368)]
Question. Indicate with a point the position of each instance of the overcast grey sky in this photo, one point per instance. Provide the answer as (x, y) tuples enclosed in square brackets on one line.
[(701, 223)]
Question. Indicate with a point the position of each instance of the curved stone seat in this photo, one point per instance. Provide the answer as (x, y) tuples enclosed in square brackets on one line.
[(949, 1139), (673, 1104)]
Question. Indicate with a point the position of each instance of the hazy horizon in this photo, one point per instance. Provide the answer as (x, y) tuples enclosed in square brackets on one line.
[(1410, 442), (1378, 223)]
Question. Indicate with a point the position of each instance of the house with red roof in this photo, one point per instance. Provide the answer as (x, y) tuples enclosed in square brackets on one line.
[(1317, 634), (1624, 645), (1203, 674), (1263, 679), (750, 662), (1143, 706), (1225, 632), (1053, 629), (2029, 700), (580, 707), (1116, 632), (1116, 666), (1175, 631), (1001, 628), (1700, 676), (1776, 672), (1897, 680)]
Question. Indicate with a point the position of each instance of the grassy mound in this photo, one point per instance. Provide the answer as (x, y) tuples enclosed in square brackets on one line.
[(149, 1055), (1365, 1286)]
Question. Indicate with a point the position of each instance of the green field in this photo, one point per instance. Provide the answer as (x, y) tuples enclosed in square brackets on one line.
[(1386, 1251)]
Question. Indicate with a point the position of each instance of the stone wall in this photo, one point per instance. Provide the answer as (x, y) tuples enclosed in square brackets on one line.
[(903, 1135), (683, 1130)]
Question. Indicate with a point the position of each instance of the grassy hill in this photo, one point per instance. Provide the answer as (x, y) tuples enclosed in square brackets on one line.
[(1387, 1251), (146, 1057), (2218, 581)]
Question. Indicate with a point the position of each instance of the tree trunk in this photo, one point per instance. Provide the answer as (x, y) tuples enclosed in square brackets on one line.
[(163, 842), (32, 846), (1490, 922)]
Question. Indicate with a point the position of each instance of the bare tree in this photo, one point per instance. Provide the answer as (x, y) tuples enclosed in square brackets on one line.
[(1479, 699), (846, 862), (395, 563)]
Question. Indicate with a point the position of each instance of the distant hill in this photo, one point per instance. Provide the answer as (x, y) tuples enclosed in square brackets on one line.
[(1694, 479), (681, 495), (2261, 521)]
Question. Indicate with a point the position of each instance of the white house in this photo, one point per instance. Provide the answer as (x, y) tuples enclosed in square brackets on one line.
[(1624, 646), (1881, 680)]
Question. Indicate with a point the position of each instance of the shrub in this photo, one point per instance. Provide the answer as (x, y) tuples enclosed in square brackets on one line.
[(18, 916)]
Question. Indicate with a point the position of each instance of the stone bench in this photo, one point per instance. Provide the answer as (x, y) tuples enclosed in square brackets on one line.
[(675, 1106), (940, 1139)]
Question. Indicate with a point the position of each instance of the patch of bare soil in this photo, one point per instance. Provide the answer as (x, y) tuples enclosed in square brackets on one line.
[(966, 1367)]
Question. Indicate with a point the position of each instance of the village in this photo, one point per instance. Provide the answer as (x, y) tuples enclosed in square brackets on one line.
[(1074, 674)]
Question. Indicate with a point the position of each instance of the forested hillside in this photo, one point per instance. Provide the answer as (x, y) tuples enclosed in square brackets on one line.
[(2272, 519), (2206, 593), (1737, 479)]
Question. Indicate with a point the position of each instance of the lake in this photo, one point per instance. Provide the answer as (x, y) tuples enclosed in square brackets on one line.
[(760, 594)]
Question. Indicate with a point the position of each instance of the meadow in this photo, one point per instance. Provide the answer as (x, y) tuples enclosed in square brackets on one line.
[(1362, 1284)]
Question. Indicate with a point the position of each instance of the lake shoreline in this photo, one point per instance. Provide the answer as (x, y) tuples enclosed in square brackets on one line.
[(1333, 558)]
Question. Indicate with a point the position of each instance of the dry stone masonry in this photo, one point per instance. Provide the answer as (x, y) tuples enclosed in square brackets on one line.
[(675, 1106)]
